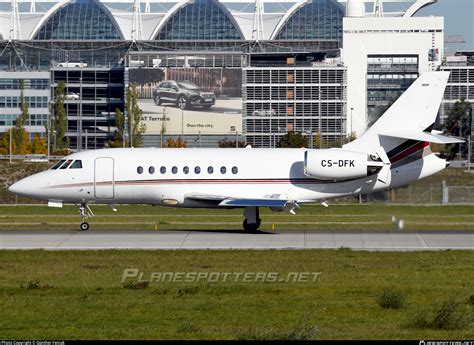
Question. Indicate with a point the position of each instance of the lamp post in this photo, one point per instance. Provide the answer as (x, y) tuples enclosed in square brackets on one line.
[(79, 118), (351, 121), (11, 144), (48, 134), (319, 122)]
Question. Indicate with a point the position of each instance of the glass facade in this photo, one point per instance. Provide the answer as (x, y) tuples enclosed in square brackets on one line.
[(200, 20), (318, 20), (80, 20)]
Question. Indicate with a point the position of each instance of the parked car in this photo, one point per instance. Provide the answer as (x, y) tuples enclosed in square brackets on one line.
[(264, 112), (71, 96), (72, 64), (184, 94)]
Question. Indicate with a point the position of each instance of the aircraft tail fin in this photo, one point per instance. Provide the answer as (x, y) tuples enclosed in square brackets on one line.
[(411, 117)]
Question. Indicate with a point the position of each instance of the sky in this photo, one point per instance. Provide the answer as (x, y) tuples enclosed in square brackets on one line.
[(458, 20)]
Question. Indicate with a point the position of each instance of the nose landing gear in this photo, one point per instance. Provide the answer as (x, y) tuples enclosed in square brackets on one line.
[(85, 212)]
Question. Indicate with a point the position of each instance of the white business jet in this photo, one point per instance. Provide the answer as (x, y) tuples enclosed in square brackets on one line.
[(391, 153)]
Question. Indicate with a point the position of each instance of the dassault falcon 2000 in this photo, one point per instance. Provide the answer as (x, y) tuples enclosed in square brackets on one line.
[(391, 153)]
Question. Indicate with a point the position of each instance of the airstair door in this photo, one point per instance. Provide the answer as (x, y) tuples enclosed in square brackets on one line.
[(104, 178)]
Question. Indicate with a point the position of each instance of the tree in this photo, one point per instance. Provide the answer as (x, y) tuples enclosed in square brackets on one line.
[(38, 146), (59, 123), (119, 134), (20, 135), (176, 143), (5, 144), (292, 139), (134, 114), (230, 143), (458, 123)]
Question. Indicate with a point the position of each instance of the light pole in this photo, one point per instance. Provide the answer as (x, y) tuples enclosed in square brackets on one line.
[(79, 120), (48, 134), (319, 122), (351, 121), (11, 144)]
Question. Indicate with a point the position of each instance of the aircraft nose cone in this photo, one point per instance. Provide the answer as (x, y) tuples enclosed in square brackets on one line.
[(16, 188), (19, 188)]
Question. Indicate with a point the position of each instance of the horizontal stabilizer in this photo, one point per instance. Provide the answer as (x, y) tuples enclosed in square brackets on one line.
[(414, 134)]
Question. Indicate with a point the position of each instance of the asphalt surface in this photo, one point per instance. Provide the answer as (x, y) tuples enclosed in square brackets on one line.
[(184, 239)]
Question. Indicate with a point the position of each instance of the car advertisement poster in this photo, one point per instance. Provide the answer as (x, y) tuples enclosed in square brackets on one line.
[(189, 101)]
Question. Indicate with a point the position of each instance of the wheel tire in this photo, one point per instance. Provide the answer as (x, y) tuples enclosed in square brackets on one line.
[(207, 106), (157, 100), (250, 226), (182, 103), (84, 226)]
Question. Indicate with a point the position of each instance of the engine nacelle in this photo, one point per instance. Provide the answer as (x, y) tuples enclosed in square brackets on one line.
[(338, 165)]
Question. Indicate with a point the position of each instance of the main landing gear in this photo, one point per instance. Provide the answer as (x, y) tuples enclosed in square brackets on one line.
[(85, 212), (252, 219)]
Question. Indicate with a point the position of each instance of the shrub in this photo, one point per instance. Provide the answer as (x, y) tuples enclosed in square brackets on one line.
[(450, 314), (391, 299)]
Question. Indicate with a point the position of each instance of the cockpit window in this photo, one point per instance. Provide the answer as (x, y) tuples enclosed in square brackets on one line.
[(76, 165), (58, 164), (65, 165)]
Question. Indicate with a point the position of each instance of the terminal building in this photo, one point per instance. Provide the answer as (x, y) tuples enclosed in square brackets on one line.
[(323, 68)]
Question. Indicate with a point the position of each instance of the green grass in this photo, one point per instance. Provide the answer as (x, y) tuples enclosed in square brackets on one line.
[(316, 217), (79, 295)]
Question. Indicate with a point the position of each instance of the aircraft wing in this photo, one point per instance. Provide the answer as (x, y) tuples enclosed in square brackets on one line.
[(254, 202), (223, 201)]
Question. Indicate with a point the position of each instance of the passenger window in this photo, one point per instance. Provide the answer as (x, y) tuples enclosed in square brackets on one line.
[(76, 165), (223, 170), (186, 170), (65, 165), (151, 170), (140, 170), (210, 170), (197, 170), (163, 170), (58, 164), (235, 170), (174, 170)]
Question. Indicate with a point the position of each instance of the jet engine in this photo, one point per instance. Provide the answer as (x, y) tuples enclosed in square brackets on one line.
[(340, 165)]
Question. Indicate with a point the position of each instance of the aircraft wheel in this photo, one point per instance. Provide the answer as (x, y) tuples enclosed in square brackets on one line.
[(251, 226), (84, 226)]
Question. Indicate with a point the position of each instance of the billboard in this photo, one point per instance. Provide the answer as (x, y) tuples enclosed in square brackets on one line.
[(189, 100)]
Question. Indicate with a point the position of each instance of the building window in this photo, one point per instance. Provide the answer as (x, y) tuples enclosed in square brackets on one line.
[(223, 170), (163, 170), (197, 170), (186, 170), (235, 170), (200, 20), (174, 170), (210, 170), (151, 170), (318, 19), (140, 170), (80, 20)]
